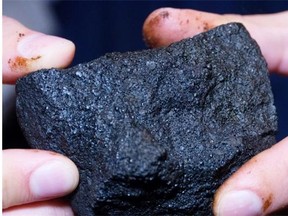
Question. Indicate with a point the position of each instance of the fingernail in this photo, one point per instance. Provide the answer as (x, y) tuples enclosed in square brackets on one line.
[(35, 44), (51, 179), (240, 203)]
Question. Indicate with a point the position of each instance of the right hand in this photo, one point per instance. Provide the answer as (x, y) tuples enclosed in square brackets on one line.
[(260, 186)]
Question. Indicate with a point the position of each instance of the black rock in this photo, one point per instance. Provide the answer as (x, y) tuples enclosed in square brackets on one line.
[(157, 131)]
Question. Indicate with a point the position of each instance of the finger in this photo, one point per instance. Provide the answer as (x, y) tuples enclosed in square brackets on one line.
[(44, 208), (25, 50), (167, 25), (34, 175), (259, 187)]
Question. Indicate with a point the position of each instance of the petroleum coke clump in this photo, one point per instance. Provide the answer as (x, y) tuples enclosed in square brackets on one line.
[(154, 132)]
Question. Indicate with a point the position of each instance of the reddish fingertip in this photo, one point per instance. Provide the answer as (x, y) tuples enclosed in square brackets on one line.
[(152, 25)]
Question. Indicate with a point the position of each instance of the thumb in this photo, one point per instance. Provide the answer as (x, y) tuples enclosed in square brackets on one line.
[(259, 187), (34, 175), (25, 50)]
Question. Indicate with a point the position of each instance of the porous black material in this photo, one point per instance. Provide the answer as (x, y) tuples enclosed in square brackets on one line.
[(156, 131)]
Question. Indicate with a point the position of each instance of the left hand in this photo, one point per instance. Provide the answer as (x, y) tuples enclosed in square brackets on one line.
[(34, 180), (261, 185)]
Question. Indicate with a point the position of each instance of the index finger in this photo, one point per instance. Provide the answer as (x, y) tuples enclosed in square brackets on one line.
[(168, 25)]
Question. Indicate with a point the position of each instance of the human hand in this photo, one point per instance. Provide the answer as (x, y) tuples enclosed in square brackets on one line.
[(261, 185), (33, 179)]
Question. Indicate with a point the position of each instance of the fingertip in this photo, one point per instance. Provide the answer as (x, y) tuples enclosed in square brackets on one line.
[(264, 181), (25, 51), (162, 27), (45, 51), (37, 51), (36, 175), (167, 25), (238, 203), (153, 27), (53, 178)]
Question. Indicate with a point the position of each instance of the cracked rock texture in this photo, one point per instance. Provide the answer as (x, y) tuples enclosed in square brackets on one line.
[(154, 132)]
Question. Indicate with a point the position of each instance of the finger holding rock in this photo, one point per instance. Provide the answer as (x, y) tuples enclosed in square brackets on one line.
[(259, 187), (167, 25)]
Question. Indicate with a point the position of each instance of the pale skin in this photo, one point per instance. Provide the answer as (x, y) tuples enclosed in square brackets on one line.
[(263, 179)]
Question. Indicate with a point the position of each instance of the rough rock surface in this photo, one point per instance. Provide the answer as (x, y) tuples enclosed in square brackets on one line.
[(156, 131)]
